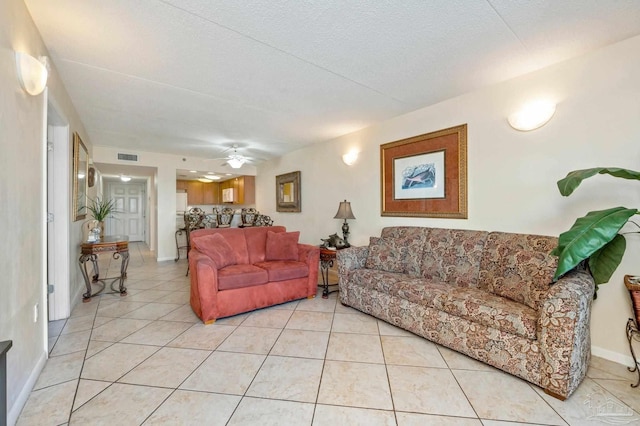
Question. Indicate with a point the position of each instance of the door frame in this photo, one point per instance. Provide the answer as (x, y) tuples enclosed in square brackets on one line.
[(57, 264)]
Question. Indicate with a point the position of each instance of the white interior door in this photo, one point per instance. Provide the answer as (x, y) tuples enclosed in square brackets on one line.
[(129, 219)]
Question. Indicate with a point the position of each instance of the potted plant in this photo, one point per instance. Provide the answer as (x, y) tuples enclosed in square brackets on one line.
[(100, 209), (594, 238)]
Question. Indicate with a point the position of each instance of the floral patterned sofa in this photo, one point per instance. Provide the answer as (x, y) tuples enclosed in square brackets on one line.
[(488, 295)]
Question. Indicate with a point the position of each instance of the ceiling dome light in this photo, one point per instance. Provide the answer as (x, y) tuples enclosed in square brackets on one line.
[(205, 180), (211, 176), (532, 115), (124, 178)]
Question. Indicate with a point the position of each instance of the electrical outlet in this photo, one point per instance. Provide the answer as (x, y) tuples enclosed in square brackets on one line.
[(35, 313)]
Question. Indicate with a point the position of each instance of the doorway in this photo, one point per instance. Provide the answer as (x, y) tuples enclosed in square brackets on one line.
[(57, 286), (130, 206)]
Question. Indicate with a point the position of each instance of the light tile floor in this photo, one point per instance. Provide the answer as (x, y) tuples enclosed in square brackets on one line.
[(146, 359)]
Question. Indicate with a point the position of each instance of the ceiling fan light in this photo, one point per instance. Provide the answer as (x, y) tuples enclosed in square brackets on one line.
[(236, 161)]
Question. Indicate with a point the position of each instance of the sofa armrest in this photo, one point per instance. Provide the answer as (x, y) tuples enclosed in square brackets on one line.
[(204, 286), (564, 336), (351, 258), (311, 256)]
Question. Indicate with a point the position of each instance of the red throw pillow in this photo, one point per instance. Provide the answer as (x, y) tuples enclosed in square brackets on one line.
[(217, 248), (282, 245)]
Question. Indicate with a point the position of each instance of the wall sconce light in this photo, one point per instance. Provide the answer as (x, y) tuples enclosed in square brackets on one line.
[(32, 73), (344, 212), (350, 158), (532, 115), (125, 178)]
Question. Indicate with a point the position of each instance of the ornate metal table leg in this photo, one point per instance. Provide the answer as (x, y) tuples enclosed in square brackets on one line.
[(178, 232), (123, 272), (85, 274), (632, 331), (96, 268), (324, 270)]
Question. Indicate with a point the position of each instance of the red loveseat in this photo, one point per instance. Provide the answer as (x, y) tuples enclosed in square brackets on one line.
[(236, 270)]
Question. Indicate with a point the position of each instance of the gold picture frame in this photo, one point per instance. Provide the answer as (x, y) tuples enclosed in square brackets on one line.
[(80, 177), (425, 175), (288, 192)]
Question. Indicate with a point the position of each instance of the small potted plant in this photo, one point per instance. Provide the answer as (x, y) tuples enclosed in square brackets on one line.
[(594, 238), (100, 209)]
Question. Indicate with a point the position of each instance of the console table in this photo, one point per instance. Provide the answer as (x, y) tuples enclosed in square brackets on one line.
[(116, 244)]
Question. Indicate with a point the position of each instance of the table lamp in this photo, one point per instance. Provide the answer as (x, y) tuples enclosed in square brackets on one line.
[(344, 212)]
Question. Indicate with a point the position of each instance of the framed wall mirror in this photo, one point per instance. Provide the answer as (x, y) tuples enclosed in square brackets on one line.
[(80, 176), (288, 192)]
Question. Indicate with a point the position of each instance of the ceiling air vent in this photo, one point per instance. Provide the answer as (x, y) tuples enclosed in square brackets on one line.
[(127, 157)]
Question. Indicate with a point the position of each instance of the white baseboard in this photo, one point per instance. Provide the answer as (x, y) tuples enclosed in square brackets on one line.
[(164, 259), (23, 396), (612, 356)]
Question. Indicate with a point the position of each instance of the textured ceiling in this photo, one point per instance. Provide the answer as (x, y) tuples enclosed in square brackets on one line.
[(194, 77)]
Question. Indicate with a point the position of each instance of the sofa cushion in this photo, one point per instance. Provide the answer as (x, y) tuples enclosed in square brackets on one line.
[(518, 266), (217, 248), (282, 270), (453, 256), (386, 255), (412, 238), (469, 303), (239, 276), (257, 241), (382, 281), (487, 309), (282, 245)]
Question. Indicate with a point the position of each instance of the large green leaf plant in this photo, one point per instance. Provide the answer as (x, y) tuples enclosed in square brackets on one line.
[(594, 237)]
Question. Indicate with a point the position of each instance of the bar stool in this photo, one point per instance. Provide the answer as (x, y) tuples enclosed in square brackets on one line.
[(248, 216), (192, 220), (225, 217), (210, 221)]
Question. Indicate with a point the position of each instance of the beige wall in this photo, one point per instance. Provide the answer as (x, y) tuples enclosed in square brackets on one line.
[(22, 204), (511, 175)]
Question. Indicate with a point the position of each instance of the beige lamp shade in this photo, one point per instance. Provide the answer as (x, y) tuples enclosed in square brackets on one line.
[(344, 211)]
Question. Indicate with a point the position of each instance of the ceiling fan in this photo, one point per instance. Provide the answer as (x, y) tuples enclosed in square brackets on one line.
[(234, 160)]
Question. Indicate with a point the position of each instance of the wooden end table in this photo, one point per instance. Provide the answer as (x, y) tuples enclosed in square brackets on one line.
[(119, 245), (327, 257)]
